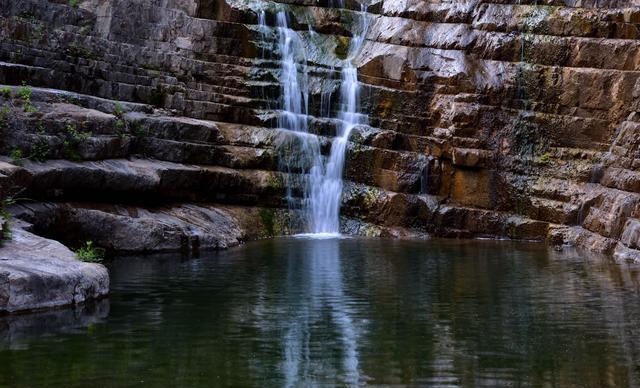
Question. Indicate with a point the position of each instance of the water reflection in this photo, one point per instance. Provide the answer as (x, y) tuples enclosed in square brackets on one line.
[(16, 331), (312, 305), (301, 312)]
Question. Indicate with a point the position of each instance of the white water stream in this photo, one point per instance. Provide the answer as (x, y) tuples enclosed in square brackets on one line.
[(323, 188)]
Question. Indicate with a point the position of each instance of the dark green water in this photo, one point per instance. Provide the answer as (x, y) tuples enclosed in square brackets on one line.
[(295, 312)]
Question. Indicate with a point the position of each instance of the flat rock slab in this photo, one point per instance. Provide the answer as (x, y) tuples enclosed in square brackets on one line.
[(36, 273)]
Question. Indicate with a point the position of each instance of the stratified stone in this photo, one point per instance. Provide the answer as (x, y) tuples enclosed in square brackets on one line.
[(493, 119)]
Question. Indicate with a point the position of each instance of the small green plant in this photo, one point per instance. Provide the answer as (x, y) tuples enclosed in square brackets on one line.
[(40, 150), (4, 113), (5, 231), (126, 127), (75, 135), (72, 141), (24, 92), (137, 129), (71, 100), (27, 16), (40, 127), (74, 3), (17, 156), (30, 108), (158, 96), (5, 91), (89, 253), (81, 51), (70, 152), (84, 30), (118, 110), (545, 158)]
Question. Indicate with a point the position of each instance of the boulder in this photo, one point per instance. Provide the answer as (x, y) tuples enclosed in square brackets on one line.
[(37, 273)]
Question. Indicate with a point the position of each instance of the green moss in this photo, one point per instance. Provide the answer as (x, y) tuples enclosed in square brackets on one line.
[(342, 47), (267, 216), (276, 181), (545, 158), (5, 91)]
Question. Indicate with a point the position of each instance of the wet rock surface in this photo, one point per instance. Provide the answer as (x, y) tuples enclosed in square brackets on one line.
[(514, 119)]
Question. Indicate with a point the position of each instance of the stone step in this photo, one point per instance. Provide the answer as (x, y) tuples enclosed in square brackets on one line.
[(621, 179), (189, 228), (556, 212), (486, 223), (149, 180)]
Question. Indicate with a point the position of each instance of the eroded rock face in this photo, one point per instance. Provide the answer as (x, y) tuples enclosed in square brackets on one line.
[(497, 119)]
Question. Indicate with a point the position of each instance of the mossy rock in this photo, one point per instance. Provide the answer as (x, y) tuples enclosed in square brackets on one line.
[(267, 217), (342, 46)]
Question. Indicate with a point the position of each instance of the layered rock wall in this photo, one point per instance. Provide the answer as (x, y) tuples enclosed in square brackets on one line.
[(496, 119)]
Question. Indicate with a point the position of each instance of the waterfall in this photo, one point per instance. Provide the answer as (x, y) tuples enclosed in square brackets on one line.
[(323, 184), (326, 181), (295, 93), (424, 176), (299, 149)]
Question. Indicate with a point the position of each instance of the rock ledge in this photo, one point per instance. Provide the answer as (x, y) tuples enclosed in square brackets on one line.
[(36, 273)]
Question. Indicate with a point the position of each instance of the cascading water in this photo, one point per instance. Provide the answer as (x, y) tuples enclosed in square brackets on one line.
[(323, 187), (295, 93), (326, 181), (299, 149)]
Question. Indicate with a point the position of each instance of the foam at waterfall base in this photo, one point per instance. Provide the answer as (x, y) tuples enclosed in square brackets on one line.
[(320, 236)]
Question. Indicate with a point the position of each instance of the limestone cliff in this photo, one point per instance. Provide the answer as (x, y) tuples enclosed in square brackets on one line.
[(155, 119)]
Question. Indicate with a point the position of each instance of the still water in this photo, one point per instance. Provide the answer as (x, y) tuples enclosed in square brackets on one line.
[(342, 312)]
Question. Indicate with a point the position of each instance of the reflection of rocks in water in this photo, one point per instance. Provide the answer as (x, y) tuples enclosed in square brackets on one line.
[(16, 329)]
